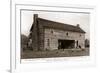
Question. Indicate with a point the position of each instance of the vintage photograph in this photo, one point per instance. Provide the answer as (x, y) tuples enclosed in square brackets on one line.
[(50, 34)]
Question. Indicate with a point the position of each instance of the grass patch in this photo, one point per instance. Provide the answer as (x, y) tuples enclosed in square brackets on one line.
[(55, 53)]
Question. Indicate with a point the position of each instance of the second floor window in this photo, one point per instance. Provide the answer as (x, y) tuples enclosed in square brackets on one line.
[(52, 32), (67, 33)]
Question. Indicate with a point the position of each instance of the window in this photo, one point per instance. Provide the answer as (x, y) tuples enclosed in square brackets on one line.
[(52, 32), (48, 42), (77, 43), (67, 33)]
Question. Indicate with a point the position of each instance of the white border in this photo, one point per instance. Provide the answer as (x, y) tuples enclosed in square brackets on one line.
[(29, 65)]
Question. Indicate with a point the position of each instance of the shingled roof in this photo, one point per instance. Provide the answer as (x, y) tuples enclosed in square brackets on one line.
[(58, 25)]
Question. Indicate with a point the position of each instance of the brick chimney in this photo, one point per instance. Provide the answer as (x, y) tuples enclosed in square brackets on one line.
[(35, 33), (78, 25), (35, 16)]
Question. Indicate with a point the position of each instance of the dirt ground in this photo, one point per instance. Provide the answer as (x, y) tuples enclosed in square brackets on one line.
[(55, 53)]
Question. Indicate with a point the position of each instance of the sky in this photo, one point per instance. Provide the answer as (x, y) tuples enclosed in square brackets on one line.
[(71, 18)]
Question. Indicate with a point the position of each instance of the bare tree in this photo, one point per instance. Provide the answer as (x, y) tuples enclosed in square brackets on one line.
[(24, 42)]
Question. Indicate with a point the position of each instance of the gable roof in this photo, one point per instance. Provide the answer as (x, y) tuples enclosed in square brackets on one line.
[(58, 25)]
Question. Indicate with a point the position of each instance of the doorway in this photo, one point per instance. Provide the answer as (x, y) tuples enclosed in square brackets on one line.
[(66, 44)]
